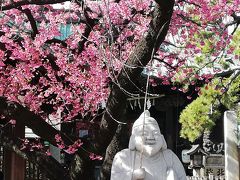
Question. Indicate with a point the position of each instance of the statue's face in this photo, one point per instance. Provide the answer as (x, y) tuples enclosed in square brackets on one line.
[(148, 140)]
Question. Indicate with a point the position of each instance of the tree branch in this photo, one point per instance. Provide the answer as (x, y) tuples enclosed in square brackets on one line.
[(140, 56), (90, 23), (29, 2), (22, 115), (58, 41), (164, 62), (228, 72), (39, 126), (188, 19), (46, 163), (191, 3), (3, 46), (31, 20)]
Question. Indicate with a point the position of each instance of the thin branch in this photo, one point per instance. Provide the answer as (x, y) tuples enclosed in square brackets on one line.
[(234, 76), (227, 72), (31, 20), (188, 19), (3, 46), (171, 44), (90, 23), (29, 2), (2, 33), (162, 61), (141, 55), (35, 122), (46, 163), (58, 41), (191, 3)]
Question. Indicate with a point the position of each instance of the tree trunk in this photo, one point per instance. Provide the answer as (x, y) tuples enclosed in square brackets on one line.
[(81, 168), (117, 101), (127, 78), (140, 57)]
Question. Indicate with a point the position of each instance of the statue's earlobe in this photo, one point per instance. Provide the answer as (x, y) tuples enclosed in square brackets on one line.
[(164, 144), (132, 143)]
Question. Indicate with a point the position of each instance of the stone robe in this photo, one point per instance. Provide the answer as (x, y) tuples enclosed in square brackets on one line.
[(157, 167)]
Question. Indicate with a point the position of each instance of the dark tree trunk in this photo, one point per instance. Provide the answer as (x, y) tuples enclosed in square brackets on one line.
[(139, 58), (127, 78), (117, 100), (81, 168)]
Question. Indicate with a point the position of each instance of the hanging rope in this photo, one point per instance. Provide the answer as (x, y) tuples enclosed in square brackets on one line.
[(144, 109), (146, 93)]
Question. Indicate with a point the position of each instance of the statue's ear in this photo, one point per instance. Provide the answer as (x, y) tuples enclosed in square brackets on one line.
[(132, 143), (164, 144)]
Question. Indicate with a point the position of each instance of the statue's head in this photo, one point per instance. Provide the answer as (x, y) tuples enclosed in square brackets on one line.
[(146, 136)]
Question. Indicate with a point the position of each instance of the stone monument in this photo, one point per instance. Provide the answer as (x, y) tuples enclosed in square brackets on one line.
[(147, 156)]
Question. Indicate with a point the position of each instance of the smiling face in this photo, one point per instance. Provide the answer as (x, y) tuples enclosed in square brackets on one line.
[(148, 139)]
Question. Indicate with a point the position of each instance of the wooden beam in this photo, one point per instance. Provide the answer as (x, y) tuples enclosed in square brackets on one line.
[(14, 165)]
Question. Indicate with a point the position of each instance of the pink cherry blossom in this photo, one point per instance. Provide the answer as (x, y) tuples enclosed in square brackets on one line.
[(67, 60), (93, 156), (12, 122)]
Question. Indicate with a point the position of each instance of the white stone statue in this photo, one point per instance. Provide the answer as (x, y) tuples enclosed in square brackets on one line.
[(147, 157)]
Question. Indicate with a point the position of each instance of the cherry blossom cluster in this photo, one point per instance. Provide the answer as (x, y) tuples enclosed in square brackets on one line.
[(74, 147), (46, 70), (33, 145), (198, 43), (71, 149)]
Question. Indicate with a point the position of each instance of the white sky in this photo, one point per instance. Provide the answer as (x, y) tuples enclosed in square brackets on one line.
[(66, 5)]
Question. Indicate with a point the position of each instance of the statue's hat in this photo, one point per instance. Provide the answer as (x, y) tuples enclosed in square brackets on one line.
[(144, 119)]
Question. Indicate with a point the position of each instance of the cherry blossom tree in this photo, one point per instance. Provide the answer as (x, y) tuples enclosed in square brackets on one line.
[(44, 72)]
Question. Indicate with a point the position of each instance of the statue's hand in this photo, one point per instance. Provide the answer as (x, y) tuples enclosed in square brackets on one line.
[(139, 174)]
